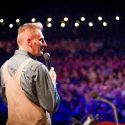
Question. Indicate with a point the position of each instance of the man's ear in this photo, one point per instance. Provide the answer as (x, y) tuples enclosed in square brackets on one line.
[(29, 42)]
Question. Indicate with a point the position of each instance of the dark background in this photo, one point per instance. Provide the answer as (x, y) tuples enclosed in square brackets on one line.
[(58, 9)]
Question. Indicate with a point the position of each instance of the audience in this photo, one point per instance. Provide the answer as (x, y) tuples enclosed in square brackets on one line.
[(84, 66)]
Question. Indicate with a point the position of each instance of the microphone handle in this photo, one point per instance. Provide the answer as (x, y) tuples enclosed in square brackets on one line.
[(48, 64), (113, 107)]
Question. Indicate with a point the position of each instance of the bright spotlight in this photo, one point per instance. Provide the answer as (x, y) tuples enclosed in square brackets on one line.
[(17, 20), (65, 18), (11, 25), (90, 24), (49, 24), (1, 20), (63, 24), (82, 18), (49, 19), (117, 18), (105, 24), (99, 18), (33, 19), (77, 23)]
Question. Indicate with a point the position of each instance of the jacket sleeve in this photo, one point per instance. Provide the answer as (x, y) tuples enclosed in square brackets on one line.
[(48, 96)]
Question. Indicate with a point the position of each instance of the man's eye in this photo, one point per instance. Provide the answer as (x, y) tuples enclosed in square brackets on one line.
[(42, 40)]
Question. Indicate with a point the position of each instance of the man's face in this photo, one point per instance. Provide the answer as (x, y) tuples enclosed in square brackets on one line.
[(38, 44)]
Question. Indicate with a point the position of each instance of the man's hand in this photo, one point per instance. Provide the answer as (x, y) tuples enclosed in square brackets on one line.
[(52, 74)]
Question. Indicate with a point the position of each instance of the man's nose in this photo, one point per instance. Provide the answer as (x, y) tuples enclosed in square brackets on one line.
[(44, 44)]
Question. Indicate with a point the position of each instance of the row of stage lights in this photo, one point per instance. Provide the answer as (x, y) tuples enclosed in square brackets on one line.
[(62, 23)]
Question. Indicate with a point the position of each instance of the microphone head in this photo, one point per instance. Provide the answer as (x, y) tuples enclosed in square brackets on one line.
[(46, 56), (94, 95)]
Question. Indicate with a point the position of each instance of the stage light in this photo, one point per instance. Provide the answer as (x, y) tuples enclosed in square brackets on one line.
[(77, 23), (33, 19), (49, 24), (90, 24), (99, 18), (117, 18), (49, 19), (82, 18), (63, 24), (1, 20), (17, 20), (105, 24), (11, 25), (66, 19)]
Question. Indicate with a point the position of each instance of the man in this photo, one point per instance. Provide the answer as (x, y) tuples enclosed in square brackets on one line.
[(27, 86)]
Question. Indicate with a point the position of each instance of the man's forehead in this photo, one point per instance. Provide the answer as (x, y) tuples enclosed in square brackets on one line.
[(40, 34)]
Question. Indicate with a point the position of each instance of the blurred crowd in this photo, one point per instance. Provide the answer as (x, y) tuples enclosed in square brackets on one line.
[(83, 67)]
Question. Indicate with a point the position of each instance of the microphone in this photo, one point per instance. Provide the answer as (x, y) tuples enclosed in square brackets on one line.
[(95, 95), (47, 60), (89, 120)]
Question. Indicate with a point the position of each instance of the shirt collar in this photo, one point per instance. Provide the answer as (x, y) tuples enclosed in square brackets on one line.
[(25, 53)]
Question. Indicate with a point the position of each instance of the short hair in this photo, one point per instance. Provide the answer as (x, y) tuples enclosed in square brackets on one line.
[(28, 26)]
